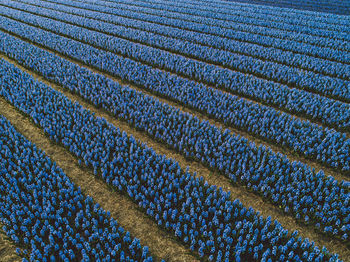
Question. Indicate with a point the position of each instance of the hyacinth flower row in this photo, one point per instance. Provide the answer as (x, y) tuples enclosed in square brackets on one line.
[(237, 16), (340, 7), (227, 11), (276, 33), (237, 22), (199, 215), (284, 60), (48, 216), (327, 146), (328, 111), (213, 26), (311, 81), (263, 12), (234, 61), (315, 198)]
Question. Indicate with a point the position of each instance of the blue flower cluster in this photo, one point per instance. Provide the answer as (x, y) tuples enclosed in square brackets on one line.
[(240, 26), (187, 10), (327, 146), (199, 215), (273, 13), (235, 157), (225, 51), (47, 216), (241, 18), (330, 112), (336, 7)]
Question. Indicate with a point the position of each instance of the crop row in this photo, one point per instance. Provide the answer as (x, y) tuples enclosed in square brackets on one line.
[(244, 21), (235, 16), (268, 33), (341, 7), (312, 198), (248, 44), (272, 64), (269, 70), (223, 23), (327, 146), (45, 214), (199, 215), (330, 112), (261, 12)]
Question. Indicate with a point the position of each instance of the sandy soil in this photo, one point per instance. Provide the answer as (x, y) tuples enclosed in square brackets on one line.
[(128, 215), (214, 178), (240, 192), (7, 248)]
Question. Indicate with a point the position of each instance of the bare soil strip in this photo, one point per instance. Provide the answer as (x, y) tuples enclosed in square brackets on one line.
[(252, 137), (7, 248), (127, 213), (214, 178)]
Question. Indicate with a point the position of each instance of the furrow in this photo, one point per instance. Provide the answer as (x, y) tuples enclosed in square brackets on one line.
[(127, 213), (248, 198), (7, 247), (275, 147)]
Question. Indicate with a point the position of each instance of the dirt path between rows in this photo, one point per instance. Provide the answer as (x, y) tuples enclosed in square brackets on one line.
[(214, 178), (7, 248), (129, 216), (223, 89), (258, 141)]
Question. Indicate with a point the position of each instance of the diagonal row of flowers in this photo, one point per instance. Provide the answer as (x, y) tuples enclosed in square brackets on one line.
[(230, 17), (311, 197), (46, 214), (327, 146), (330, 112), (270, 63), (277, 35), (324, 6), (259, 12), (200, 215)]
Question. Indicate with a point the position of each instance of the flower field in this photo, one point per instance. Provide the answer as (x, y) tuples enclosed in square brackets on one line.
[(170, 130)]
